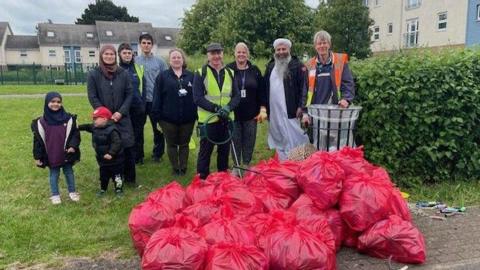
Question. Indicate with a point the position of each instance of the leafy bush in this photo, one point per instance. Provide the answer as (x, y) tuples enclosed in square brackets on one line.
[(421, 114)]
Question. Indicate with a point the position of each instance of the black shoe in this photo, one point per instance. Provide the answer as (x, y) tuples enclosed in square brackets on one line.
[(176, 172), (183, 171), (139, 161), (157, 159)]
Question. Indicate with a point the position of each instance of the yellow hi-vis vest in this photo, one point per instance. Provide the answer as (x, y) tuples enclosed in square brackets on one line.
[(339, 60), (140, 71), (213, 93)]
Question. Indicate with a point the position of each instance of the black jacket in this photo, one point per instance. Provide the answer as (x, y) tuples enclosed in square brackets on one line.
[(72, 140), (116, 95), (106, 140), (168, 104), (295, 83), (249, 106)]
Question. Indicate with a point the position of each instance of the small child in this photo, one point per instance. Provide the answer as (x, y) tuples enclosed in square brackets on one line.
[(108, 147), (56, 142)]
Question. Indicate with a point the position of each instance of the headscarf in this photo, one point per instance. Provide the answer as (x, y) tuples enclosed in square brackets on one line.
[(108, 69), (54, 118)]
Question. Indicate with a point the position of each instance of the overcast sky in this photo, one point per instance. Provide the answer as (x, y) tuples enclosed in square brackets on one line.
[(23, 15)]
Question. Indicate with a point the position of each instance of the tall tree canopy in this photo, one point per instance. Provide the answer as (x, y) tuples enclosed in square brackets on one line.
[(255, 22), (348, 23), (105, 10)]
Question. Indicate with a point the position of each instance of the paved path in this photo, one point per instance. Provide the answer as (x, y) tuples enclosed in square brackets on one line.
[(40, 95)]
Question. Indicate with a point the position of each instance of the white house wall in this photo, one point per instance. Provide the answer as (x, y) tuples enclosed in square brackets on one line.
[(13, 57), (3, 61)]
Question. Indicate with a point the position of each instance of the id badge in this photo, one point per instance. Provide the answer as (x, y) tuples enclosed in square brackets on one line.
[(182, 92), (243, 93)]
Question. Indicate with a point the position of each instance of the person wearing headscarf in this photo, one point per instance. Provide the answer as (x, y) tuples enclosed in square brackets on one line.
[(110, 86), (286, 81), (56, 144)]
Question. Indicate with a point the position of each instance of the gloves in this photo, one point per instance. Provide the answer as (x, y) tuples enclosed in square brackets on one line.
[(224, 112), (305, 120), (262, 115)]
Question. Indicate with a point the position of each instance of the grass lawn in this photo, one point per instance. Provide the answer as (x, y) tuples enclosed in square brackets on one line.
[(33, 231), (41, 89)]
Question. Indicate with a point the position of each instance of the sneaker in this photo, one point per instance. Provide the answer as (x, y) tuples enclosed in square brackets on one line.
[(56, 199), (74, 196), (119, 192), (118, 182), (101, 193)]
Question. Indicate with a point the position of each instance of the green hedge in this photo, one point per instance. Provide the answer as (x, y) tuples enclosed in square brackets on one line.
[(421, 114)]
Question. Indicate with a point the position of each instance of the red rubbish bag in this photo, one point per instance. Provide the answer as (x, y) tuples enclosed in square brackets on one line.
[(172, 195), (183, 221), (145, 219), (365, 199), (293, 247), (350, 237), (394, 237), (337, 225), (236, 256), (351, 160), (399, 206), (203, 211), (175, 248), (227, 229), (242, 202), (321, 178), (198, 190)]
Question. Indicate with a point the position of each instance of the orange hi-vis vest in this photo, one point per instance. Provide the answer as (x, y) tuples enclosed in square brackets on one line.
[(339, 60)]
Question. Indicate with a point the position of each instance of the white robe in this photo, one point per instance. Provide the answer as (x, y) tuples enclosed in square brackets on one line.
[(283, 134)]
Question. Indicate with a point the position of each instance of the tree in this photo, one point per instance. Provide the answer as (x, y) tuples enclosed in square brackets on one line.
[(348, 23), (255, 22), (105, 10)]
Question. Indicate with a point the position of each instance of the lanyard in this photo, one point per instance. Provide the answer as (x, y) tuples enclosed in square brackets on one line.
[(243, 76)]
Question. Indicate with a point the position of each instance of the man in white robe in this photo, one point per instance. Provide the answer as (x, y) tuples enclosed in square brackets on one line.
[(286, 80)]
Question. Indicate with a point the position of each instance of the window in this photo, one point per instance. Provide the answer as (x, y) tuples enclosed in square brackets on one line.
[(109, 33), (390, 28), (68, 58), (89, 35), (23, 53), (91, 53), (376, 32), (365, 3), (377, 3), (168, 38), (413, 3), (478, 12), (411, 37), (52, 53), (50, 34), (78, 57), (442, 21)]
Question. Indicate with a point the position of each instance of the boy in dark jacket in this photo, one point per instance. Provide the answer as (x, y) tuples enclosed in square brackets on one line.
[(56, 142), (107, 143)]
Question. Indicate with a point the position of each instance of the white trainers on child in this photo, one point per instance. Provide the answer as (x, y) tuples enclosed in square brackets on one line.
[(56, 199), (74, 196)]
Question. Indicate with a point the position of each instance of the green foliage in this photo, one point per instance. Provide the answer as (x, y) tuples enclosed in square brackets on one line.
[(348, 23), (255, 22), (421, 114), (105, 10)]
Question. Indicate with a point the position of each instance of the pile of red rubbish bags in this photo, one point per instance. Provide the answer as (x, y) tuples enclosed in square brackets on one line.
[(284, 215)]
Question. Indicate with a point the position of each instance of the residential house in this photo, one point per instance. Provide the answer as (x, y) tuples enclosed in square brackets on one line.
[(401, 24)]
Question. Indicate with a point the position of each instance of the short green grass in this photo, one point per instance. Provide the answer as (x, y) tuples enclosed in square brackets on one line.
[(33, 231), (13, 89)]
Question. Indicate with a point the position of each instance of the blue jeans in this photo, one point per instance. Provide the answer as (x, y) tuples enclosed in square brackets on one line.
[(69, 177)]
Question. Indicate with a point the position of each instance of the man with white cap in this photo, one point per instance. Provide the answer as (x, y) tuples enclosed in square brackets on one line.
[(286, 83)]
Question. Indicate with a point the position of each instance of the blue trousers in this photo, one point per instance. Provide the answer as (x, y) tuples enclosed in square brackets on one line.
[(69, 177)]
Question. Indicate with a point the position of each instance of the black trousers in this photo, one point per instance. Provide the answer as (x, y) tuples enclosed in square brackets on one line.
[(158, 139), (177, 138), (109, 172), (129, 165), (138, 118), (217, 131)]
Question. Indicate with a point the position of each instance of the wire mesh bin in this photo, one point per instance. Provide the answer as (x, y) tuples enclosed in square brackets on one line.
[(333, 127)]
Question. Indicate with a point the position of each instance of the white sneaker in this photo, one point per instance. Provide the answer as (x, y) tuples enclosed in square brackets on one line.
[(118, 182), (74, 196), (56, 199)]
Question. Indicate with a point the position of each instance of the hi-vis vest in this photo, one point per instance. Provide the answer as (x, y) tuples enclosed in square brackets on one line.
[(140, 71), (213, 93), (338, 60)]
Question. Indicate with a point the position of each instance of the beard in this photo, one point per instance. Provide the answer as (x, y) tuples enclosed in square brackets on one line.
[(281, 63)]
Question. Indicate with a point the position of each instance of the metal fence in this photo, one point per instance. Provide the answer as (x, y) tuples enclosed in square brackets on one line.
[(37, 74)]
